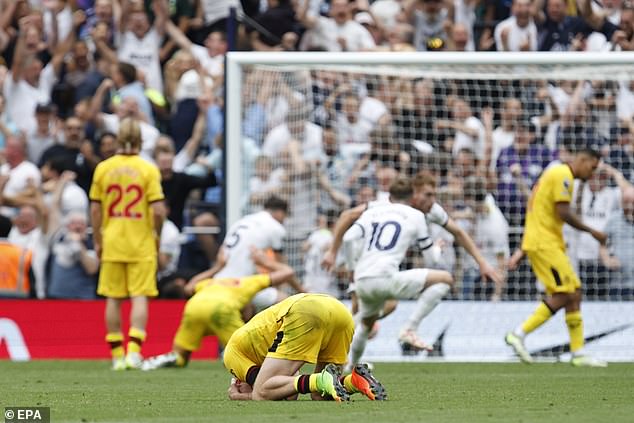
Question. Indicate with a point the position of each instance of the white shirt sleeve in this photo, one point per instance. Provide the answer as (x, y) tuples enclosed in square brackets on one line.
[(437, 215)]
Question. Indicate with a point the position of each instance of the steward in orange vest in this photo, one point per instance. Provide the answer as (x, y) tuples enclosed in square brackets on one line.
[(15, 271)]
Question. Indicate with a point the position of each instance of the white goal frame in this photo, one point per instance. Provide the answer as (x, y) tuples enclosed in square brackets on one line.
[(236, 60)]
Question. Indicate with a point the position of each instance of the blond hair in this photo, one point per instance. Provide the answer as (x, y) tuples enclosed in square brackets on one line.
[(129, 136)]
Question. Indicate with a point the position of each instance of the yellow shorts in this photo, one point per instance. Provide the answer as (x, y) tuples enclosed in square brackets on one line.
[(123, 280), (203, 317), (554, 270), (316, 328)]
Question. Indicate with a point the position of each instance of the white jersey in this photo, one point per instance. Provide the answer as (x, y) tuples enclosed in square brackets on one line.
[(388, 230), (260, 230), (437, 215)]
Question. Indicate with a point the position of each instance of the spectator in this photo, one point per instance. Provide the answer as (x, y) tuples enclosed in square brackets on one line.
[(596, 202), (518, 32), (124, 76), (430, 19), (127, 108), (169, 250), (29, 232), (75, 152), (337, 32), (210, 56), (278, 20), (74, 262), (617, 31), (107, 145), (22, 175), (16, 278), (178, 185), (618, 255), (469, 131), (30, 82), (7, 127), (561, 32), (72, 198), (621, 154), (316, 279), (45, 134), (490, 232), (502, 137), (518, 168), (140, 43), (459, 38), (265, 182)]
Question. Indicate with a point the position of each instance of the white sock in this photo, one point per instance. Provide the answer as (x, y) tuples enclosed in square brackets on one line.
[(359, 339), (519, 332), (427, 301)]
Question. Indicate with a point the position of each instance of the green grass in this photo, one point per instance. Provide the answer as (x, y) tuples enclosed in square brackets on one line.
[(86, 391)]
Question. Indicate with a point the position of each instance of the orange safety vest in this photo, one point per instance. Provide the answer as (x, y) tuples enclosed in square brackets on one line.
[(15, 264)]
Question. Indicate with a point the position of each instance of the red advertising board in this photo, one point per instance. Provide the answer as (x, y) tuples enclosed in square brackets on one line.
[(60, 329)]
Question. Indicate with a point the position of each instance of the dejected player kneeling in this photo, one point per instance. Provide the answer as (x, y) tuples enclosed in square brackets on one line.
[(265, 355)]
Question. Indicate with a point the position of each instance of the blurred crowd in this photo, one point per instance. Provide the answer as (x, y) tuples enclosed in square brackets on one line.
[(70, 70)]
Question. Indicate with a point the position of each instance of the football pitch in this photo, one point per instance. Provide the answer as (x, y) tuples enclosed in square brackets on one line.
[(86, 391)]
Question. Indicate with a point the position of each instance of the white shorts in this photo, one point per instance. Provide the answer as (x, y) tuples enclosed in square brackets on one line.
[(373, 292)]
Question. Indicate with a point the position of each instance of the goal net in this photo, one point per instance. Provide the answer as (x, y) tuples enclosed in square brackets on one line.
[(327, 131)]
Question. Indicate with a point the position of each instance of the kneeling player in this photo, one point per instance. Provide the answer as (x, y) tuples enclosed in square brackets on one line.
[(266, 354), (215, 309)]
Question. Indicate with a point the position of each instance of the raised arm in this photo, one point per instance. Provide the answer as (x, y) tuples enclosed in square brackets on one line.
[(97, 101), (65, 46), (178, 36), (161, 13)]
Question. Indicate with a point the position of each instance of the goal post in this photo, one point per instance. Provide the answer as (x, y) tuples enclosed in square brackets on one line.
[(326, 130)]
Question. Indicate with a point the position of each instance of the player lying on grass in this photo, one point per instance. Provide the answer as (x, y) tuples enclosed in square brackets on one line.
[(215, 309), (266, 354)]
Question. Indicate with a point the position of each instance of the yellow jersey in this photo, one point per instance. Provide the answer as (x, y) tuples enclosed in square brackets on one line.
[(543, 227), (236, 292), (126, 185)]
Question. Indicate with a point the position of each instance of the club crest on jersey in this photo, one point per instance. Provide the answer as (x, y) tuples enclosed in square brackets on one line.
[(567, 184)]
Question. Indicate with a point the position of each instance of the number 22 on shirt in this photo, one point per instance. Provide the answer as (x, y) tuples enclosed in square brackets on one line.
[(123, 199)]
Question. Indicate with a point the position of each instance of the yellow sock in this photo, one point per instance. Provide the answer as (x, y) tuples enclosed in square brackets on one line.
[(574, 321), (137, 336), (115, 340), (347, 383), (541, 314)]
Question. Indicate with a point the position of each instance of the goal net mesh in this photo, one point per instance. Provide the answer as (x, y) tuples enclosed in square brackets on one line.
[(328, 137)]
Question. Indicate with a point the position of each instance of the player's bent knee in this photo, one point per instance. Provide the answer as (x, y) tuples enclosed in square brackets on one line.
[(440, 276)]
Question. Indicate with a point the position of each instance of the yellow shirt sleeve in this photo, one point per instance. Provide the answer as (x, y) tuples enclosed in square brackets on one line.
[(562, 184), (95, 188), (154, 189)]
